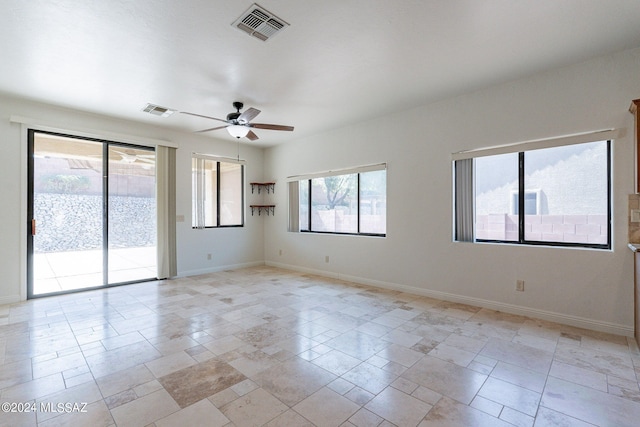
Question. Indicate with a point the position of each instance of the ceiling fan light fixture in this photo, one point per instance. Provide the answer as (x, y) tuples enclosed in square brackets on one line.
[(238, 131)]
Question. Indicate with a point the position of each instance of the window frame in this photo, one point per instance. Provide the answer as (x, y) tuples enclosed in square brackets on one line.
[(522, 214), (354, 171), (218, 161)]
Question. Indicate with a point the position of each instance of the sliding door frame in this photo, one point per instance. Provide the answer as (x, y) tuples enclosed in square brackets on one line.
[(31, 225)]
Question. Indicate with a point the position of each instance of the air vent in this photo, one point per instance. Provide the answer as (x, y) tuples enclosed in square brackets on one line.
[(157, 110), (260, 23)]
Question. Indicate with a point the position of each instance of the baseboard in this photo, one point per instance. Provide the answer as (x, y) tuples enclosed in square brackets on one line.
[(10, 299), (565, 319), (220, 268)]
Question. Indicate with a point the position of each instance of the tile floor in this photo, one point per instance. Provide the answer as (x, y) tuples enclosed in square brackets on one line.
[(264, 346)]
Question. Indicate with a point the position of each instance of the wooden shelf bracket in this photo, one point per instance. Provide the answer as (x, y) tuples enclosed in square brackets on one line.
[(270, 187), (268, 209)]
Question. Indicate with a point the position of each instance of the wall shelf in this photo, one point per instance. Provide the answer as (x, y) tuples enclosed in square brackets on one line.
[(268, 209), (268, 186)]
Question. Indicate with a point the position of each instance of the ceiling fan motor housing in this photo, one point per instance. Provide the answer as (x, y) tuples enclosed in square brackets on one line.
[(233, 117)]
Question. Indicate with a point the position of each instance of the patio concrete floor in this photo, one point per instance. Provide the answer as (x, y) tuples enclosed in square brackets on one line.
[(65, 271)]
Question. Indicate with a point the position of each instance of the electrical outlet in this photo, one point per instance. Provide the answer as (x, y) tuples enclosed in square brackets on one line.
[(209, 257), (326, 259), (520, 285)]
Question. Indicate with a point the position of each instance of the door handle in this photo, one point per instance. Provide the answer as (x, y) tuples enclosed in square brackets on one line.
[(33, 227)]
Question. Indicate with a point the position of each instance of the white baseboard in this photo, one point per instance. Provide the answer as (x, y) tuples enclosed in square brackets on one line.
[(565, 319), (10, 299), (220, 268)]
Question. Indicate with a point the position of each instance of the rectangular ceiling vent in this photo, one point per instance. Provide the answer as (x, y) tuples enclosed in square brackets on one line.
[(260, 23), (157, 110)]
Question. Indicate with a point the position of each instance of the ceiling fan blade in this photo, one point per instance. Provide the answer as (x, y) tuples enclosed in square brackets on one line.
[(252, 136), (270, 127), (204, 117), (210, 129), (248, 115)]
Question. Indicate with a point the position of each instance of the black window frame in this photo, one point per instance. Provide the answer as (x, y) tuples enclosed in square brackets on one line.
[(309, 210), (242, 196), (521, 212)]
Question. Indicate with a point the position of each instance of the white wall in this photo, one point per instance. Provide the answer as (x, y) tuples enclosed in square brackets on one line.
[(582, 287), (229, 247)]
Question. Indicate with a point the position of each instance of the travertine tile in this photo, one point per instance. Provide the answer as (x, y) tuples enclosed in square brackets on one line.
[(452, 354), (399, 408), (294, 380), (202, 413), (96, 415), (510, 395), (588, 404), (254, 409), (58, 364), (578, 375), (365, 418), (190, 385), (446, 378), (34, 389), (22, 419), (336, 362), (314, 407), (549, 418), (596, 360), (145, 410), (87, 393), (340, 385), (170, 363), (516, 418), (121, 358), (517, 375), (256, 342), (123, 380), (448, 413), (359, 395), (400, 354), (472, 345), (370, 378), (518, 354), (289, 419), (486, 405), (358, 344)]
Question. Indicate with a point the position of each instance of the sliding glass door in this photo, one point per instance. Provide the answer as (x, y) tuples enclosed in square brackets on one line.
[(91, 213), (132, 214)]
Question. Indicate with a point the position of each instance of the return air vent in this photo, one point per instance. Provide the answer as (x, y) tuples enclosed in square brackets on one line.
[(157, 110), (260, 23)]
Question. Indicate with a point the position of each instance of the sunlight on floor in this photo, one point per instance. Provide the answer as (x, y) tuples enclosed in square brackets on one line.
[(65, 271)]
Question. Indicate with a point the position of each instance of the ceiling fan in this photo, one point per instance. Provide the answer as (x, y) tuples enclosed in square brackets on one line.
[(238, 124)]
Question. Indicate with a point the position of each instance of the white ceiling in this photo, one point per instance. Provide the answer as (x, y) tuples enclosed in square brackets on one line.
[(339, 62)]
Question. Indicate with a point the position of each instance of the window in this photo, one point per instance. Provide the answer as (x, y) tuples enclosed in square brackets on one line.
[(531, 205), (217, 187), (350, 202), (558, 195)]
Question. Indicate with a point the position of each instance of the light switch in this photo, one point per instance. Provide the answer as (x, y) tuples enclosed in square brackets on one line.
[(180, 218), (635, 215)]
